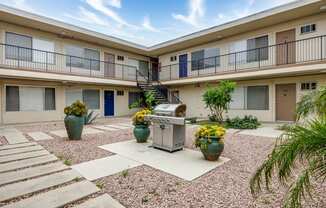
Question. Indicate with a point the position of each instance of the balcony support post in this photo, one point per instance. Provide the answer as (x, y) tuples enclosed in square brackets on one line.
[(258, 58), (46, 63)]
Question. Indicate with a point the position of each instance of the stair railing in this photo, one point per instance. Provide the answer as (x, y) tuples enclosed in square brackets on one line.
[(159, 86)]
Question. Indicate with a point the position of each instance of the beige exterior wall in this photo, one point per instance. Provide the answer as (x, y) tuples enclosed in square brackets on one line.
[(224, 46), (191, 95), (121, 68), (120, 102)]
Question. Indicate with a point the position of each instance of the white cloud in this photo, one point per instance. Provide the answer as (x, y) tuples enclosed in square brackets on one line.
[(196, 10), (19, 4), (89, 17), (148, 26), (101, 6), (113, 3)]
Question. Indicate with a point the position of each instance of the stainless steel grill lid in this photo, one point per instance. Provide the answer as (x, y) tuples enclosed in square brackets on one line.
[(177, 110)]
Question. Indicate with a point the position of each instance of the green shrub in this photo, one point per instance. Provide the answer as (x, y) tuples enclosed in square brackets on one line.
[(248, 122), (217, 99)]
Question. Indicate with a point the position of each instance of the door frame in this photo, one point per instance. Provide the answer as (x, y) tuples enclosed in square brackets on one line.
[(283, 49), (276, 101), (183, 66), (104, 111)]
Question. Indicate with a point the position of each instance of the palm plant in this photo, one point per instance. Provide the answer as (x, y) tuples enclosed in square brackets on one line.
[(302, 148)]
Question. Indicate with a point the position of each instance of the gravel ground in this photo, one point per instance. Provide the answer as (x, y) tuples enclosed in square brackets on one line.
[(79, 151), (226, 186)]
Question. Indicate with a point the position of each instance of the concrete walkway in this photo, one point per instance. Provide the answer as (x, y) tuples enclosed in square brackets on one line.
[(27, 168)]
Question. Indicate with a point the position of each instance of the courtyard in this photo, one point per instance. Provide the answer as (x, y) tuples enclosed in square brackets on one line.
[(38, 161)]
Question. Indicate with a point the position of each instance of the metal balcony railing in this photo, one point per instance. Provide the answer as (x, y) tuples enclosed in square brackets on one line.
[(296, 52), (15, 57)]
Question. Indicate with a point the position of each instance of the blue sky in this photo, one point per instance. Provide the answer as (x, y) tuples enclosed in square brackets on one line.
[(145, 22)]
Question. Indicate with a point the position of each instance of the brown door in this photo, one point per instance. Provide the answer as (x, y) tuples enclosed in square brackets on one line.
[(285, 102), (109, 70), (285, 49)]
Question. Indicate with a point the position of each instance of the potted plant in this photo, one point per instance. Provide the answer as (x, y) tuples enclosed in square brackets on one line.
[(74, 120), (141, 130), (210, 141)]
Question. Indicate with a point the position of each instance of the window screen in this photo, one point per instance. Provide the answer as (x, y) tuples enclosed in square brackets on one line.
[(134, 97), (212, 57), (91, 98), (257, 49), (73, 95), (238, 52), (197, 60), (18, 47), (238, 98), (49, 99), (92, 59), (31, 98), (257, 98), (44, 52), (143, 67), (12, 98)]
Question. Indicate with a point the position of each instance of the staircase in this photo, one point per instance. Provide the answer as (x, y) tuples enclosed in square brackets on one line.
[(160, 91)]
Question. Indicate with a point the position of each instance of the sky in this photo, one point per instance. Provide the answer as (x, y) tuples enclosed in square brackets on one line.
[(145, 22)]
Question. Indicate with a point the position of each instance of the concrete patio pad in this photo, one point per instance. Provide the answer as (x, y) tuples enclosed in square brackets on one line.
[(186, 164), (63, 133), (38, 135), (117, 126), (99, 168), (262, 132), (105, 128)]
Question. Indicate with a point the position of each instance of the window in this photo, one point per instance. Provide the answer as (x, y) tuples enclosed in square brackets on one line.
[(91, 97), (212, 57), (12, 98), (308, 28), (40, 55), (173, 58), (121, 58), (197, 60), (238, 52), (18, 47), (257, 98), (174, 96), (120, 92), (257, 49), (134, 97), (82, 58), (308, 86), (29, 98), (250, 98), (144, 67)]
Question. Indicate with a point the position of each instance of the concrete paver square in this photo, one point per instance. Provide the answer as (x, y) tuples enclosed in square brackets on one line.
[(105, 128), (186, 164), (63, 133), (103, 201), (99, 168), (118, 126), (15, 137), (38, 135), (262, 132)]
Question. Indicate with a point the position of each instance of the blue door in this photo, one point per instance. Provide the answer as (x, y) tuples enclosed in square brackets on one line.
[(183, 65), (108, 103)]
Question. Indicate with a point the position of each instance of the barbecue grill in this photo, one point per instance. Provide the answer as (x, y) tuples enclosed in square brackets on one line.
[(168, 126)]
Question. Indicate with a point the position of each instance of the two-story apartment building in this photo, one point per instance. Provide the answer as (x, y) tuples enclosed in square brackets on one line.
[(274, 56)]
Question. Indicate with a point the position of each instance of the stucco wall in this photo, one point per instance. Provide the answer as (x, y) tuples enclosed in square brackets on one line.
[(223, 45), (191, 95), (120, 102)]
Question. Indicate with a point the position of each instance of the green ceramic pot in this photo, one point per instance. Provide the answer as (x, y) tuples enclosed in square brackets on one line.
[(141, 132), (213, 150), (74, 126)]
